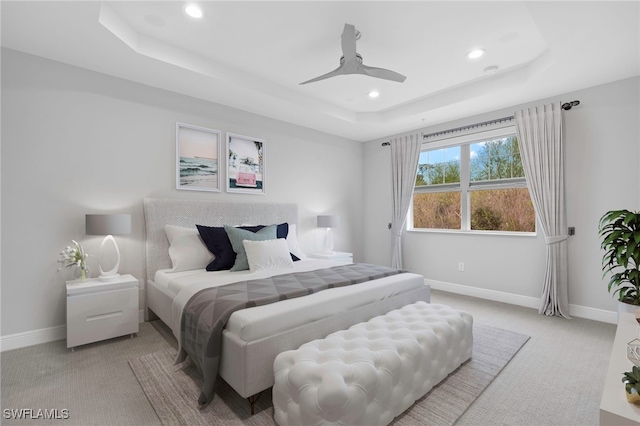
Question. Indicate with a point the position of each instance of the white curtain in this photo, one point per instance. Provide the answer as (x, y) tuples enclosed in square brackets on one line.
[(541, 143), (405, 152)]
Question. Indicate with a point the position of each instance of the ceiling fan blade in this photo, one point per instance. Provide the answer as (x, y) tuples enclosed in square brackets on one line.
[(351, 62), (337, 71), (349, 42), (382, 73)]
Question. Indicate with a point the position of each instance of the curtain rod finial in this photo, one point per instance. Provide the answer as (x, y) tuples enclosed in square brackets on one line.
[(568, 105)]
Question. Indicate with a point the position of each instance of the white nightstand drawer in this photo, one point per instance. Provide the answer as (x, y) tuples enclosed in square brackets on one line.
[(101, 314)]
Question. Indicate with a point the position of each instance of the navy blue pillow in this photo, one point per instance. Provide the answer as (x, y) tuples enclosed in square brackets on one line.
[(217, 241), (283, 230)]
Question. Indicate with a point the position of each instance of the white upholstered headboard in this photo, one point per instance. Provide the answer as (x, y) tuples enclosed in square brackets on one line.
[(159, 212)]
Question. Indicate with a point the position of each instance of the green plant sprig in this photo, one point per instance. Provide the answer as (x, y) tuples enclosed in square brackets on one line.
[(631, 380)]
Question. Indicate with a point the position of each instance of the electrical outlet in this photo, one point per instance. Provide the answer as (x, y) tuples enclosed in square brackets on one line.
[(460, 266)]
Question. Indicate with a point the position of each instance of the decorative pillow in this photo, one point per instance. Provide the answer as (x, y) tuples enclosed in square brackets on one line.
[(269, 254), (284, 229), (289, 232), (217, 241), (237, 235), (186, 249), (292, 242)]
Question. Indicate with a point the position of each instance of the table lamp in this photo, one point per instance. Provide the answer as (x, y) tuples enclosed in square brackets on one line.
[(328, 222), (109, 225)]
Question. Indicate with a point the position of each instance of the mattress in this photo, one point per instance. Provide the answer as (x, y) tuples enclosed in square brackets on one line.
[(259, 322)]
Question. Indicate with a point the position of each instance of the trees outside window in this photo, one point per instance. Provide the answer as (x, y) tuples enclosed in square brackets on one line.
[(475, 186)]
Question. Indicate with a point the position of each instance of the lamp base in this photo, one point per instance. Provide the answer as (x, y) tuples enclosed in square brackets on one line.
[(111, 274), (328, 241), (108, 277)]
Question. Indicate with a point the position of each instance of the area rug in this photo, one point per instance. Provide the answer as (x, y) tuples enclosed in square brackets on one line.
[(173, 390)]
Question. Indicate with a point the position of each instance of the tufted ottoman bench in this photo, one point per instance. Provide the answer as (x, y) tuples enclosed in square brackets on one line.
[(372, 372)]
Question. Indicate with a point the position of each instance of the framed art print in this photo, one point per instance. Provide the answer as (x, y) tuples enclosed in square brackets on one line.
[(197, 158), (245, 164)]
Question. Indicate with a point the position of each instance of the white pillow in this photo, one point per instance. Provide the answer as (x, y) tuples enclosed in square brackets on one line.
[(292, 242), (268, 254), (186, 249)]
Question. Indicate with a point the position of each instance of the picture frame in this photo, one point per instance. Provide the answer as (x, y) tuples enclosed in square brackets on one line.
[(198, 154), (245, 164)]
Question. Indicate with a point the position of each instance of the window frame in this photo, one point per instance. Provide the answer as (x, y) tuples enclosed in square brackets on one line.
[(466, 186)]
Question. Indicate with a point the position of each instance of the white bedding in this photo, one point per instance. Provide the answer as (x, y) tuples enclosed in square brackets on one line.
[(247, 366), (255, 323)]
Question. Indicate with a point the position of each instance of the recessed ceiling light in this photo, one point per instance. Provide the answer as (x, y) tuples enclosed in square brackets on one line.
[(193, 10), (374, 94), (476, 53), (491, 70)]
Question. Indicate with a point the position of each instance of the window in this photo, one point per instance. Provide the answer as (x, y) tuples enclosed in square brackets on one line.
[(473, 184)]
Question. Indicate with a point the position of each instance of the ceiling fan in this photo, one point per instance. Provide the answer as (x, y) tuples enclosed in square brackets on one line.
[(351, 61)]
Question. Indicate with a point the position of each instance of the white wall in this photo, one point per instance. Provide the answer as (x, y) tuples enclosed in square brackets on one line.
[(602, 173), (77, 142)]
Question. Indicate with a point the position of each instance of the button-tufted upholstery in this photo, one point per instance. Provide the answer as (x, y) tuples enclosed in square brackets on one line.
[(372, 372)]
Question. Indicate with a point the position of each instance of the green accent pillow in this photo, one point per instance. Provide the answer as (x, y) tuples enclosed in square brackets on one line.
[(238, 235)]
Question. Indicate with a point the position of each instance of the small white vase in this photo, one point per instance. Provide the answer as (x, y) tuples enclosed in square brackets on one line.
[(81, 272)]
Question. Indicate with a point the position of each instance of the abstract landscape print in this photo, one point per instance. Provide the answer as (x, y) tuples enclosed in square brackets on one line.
[(197, 158)]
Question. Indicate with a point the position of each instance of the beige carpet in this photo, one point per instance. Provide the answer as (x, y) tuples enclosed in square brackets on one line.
[(173, 390)]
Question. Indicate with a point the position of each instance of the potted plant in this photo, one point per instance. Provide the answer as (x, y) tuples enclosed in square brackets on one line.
[(631, 380), (620, 233)]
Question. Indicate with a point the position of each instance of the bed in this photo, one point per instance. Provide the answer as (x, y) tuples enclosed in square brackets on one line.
[(253, 337)]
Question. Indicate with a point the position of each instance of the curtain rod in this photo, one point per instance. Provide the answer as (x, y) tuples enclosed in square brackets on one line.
[(565, 106)]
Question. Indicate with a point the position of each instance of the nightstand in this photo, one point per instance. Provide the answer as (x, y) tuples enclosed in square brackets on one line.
[(99, 310), (334, 255)]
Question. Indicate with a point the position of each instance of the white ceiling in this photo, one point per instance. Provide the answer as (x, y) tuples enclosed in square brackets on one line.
[(253, 55)]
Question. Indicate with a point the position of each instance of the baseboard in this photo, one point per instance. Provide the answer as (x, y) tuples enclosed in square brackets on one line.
[(519, 300), (36, 337), (593, 314)]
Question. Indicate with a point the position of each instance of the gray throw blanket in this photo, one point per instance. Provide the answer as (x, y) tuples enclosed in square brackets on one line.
[(207, 312)]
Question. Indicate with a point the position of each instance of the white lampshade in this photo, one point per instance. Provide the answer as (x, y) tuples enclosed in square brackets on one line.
[(109, 225), (328, 221)]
